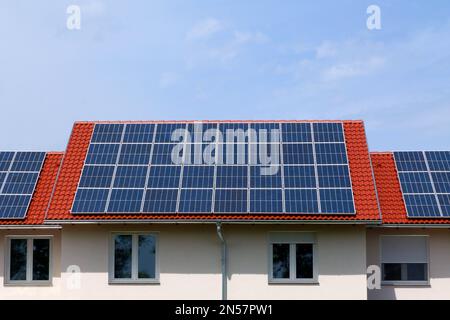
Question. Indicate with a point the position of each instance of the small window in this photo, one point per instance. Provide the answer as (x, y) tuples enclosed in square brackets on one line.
[(292, 258), (28, 261), (404, 260), (134, 258)]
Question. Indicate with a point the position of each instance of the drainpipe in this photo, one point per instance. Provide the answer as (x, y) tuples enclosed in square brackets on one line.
[(223, 260)]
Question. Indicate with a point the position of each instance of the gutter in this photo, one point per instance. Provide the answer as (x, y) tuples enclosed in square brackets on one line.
[(212, 221), (223, 260), (29, 227)]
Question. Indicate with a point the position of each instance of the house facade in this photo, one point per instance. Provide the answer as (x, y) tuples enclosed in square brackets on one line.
[(170, 210)]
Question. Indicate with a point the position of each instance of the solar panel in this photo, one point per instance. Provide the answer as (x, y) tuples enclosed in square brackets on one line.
[(425, 182), (268, 167), (19, 172)]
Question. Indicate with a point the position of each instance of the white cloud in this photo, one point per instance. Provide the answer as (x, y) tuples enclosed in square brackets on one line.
[(204, 29), (168, 79), (93, 8), (325, 50), (354, 69)]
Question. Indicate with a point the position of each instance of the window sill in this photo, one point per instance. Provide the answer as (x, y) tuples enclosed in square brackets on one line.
[(28, 284), (134, 282), (294, 282), (406, 283)]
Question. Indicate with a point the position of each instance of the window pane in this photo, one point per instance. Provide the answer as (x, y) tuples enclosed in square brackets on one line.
[(18, 263), (147, 257), (392, 271), (41, 259), (304, 258), (122, 256), (417, 271), (280, 263)]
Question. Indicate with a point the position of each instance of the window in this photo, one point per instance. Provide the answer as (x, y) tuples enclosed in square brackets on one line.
[(28, 260), (134, 258), (292, 257), (404, 260)]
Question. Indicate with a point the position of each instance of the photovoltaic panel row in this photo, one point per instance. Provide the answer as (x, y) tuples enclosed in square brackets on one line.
[(140, 159), (425, 182), (19, 172)]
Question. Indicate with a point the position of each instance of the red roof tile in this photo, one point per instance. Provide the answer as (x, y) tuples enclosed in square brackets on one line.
[(390, 196), (358, 155), (42, 194)]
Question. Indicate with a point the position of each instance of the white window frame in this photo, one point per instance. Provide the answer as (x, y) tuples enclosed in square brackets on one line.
[(405, 282), (29, 268), (134, 258), (293, 238)]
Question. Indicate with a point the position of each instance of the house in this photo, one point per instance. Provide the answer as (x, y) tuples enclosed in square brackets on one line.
[(223, 210)]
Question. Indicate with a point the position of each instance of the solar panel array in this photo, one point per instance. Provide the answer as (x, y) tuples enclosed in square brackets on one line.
[(425, 182), (232, 168), (19, 172)]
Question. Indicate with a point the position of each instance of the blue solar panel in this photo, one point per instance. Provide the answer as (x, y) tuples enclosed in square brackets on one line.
[(138, 159), (334, 176), (301, 201), (331, 153), (266, 201), (130, 177), (166, 133), (299, 177), (102, 154), (138, 154), (328, 132), (416, 182), (260, 180), (195, 201), (298, 154), (230, 201), (125, 200), (5, 160), (336, 201), (14, 206), (234, 132), (444, 201), (200, 153), (90, 201), (139, 133), (438, 160), (162, 154), (107, 133), (96, 177), (198, 177), (296, 132), (18, 179), (28, 161), (441, 181), (422, 205), (161, 201), (424, 178), (410, 161), (164, 177), (2, 178), (20, 183), (232, 154), (198, 130), (232, 177)]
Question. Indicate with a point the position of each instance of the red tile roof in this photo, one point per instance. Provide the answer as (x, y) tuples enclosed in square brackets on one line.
[(358, 155), (392, 205), (42, 194)]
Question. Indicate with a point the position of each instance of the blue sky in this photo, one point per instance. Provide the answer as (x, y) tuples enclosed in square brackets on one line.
[(217, 59)]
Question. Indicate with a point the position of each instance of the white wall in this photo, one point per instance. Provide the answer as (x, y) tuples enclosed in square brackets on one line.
[(189, 262), (439, 265)]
